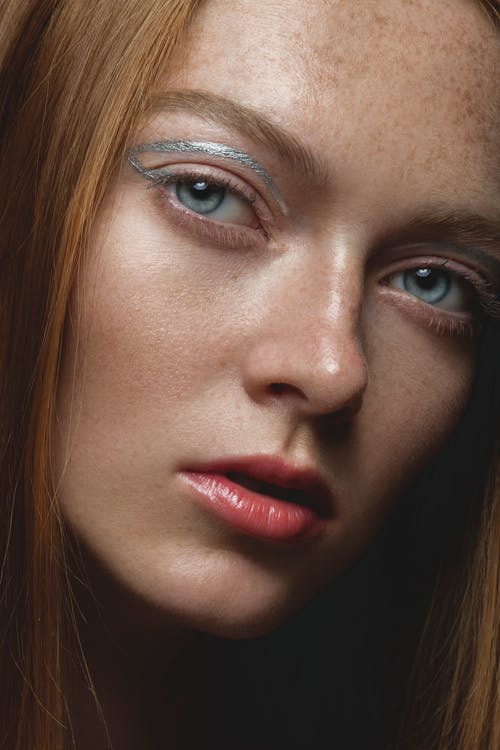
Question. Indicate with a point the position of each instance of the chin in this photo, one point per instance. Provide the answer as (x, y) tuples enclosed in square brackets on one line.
[(244, 618), (240, 628)]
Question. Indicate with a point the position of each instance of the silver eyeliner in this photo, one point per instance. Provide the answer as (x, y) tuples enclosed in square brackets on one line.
[(199, 147)]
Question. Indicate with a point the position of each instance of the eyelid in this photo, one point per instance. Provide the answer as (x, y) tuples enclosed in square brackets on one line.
[(442, 263), (187, 172), (480, 280), (217, 232), (484, 289), (199, 152), (468, 257)]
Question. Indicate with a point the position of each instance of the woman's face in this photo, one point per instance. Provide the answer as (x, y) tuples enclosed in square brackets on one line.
[(290, 280)]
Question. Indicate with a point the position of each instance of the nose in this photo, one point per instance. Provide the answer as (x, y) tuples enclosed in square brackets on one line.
[(307, 350)]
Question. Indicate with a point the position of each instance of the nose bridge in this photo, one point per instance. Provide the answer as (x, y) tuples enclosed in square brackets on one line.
[(320, 315), (309, 342), (326, 306)]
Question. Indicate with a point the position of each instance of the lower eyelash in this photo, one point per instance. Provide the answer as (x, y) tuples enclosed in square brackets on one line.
[(228, 235), (218, 233), (465, 328), (468, 325), (225, 233)]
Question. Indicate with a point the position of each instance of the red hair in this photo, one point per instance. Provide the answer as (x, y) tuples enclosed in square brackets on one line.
[(73, 82)]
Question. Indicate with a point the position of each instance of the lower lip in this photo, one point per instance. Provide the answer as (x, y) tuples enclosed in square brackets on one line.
[(256, 515)]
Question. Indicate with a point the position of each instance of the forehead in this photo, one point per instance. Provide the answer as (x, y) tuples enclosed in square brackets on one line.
[(418, 78)]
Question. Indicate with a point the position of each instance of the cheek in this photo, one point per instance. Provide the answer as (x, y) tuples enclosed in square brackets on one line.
[(418, 390), (142, 329), (426, 376), (150, 351), (420, 384)]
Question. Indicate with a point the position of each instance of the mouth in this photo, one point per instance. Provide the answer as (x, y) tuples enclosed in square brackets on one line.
[(257, 507), (264, 496), (276, 479), (313, 499)]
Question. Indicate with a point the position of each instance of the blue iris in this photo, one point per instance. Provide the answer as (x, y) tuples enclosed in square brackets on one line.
[(201, 197), (428, 284)]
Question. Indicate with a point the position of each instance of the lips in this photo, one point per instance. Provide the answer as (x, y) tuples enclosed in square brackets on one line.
[(279, 479), (300, 497), (263, 496)]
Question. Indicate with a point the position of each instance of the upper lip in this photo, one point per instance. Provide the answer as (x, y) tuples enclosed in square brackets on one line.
[(277, 471)]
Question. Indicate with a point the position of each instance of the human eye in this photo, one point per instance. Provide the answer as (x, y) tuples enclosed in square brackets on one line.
[(449, 296), (206, 197), (436, 287), (211, 202), (212, 194)]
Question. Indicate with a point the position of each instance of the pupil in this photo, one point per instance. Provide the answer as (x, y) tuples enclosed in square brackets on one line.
[(428, 284), (426, 278), (201, 187)]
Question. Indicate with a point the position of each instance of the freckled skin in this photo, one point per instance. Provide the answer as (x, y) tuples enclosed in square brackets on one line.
[(177, 344)]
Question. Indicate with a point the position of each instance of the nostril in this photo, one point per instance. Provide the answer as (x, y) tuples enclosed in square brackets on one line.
[(277, 389), (312, 382)]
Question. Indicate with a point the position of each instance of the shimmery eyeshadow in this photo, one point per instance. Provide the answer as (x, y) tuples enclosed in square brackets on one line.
[(201, 147)]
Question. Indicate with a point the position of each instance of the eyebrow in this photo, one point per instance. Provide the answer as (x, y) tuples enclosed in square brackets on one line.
[(478, 235), (250, 122)]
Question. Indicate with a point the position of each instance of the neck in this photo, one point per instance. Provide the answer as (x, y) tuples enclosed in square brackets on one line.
[(131, 686)]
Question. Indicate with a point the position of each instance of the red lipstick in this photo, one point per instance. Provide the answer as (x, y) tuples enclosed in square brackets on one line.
[(263, 496)]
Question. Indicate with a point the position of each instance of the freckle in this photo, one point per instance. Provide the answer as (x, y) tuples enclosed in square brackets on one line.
[(467, 95), (222, 363)]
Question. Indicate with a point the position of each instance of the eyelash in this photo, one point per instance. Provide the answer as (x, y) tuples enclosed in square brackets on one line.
[(487, 299), (221, 233)]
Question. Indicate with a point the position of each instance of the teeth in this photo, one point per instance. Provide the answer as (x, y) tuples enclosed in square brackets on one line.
[(265, 488)]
